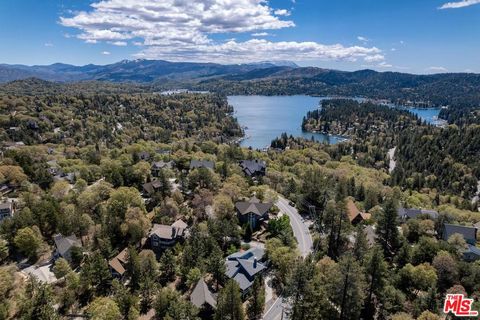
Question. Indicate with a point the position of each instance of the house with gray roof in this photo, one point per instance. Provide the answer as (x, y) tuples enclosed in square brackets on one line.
[(150, 188), (472, 253), (244, 266), (252, 211), (164, 236), (468, 233), (64, 245), (7, 210), (253, 168), (196, 164), (405, 214), (157, 166), (202, 297)]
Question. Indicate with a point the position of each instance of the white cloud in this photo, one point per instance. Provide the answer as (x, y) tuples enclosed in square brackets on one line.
[(437, 69), (260, 34), (184, 30), (364, 39), (106, 53), (118, 43), (374, 58), (48, 44), (459, 4), (257, 50), (282, 12)]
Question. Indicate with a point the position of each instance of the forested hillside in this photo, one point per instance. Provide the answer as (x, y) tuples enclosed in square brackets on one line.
[(427, 156)]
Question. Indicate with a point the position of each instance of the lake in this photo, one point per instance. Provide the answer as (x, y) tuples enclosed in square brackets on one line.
[(267, 117)]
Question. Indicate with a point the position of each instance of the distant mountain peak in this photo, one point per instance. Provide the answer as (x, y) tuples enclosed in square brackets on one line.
[(276, 63)]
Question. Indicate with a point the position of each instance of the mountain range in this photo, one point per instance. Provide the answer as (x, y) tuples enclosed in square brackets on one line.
[(139, 71)]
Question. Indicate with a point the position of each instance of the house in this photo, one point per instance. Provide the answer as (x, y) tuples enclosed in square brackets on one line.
[(152, 187), (244, 266), (160, 165), (196, 164), (468, 233), (252, 211), (5, 189), (253, 168), (355, 216), (203, 298), (118, 263), (7, 210), (64, 245), (472, 253), (405, 214), (164, 236)]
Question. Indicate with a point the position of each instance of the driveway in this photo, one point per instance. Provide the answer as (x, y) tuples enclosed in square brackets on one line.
[(276, 311)]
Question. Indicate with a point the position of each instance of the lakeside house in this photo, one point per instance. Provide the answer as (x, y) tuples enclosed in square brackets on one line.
[(252, 211), (253, 168), (64, 246), (413, 213), (244, 266), (165, 236)]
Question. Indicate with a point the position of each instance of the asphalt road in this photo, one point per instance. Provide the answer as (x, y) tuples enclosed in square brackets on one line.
[(305, 246), (300, 228)]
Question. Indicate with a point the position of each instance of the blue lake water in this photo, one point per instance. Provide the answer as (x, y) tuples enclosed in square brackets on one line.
[(267, 117)]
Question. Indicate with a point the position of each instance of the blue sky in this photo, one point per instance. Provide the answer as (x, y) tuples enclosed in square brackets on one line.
[(414, 36)]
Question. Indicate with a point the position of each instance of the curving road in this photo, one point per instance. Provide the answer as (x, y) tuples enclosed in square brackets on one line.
[(305, 245)]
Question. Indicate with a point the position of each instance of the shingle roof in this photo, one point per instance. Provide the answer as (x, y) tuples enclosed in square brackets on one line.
[(243, 266), (414, 213), (202, 164), (118, 262), (468, 233), (6, 205), (242, 281), (252, 267), (250, 167), (180, 227), (161, 164), (64, 244), (151, 187), (163, 231), (253, 206), (201, 295)]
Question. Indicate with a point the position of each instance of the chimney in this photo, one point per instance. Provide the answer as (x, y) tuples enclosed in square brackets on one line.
[(255, 262)]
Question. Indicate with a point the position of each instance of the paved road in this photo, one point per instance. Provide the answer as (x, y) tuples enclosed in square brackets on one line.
[(305, 245), (300, 228)]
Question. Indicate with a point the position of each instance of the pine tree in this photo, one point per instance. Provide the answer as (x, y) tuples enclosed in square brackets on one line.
[(133, 268), (360, 247), (376, 272), (348, 289), (257, 301), (38, 302), (229, 303), (299, 288), (387, 230)]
